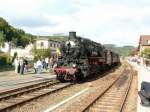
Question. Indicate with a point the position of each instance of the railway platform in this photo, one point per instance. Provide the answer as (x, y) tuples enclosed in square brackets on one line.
[(143, 75), (10, 80)]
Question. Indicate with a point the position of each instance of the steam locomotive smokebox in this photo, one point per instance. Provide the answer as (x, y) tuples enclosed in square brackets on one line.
[(72, 35)]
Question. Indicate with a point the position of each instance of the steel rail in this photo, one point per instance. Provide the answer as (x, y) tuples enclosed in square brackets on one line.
[(32, 97), (99, 96), (37, 82), (127, 91), (27, 89)]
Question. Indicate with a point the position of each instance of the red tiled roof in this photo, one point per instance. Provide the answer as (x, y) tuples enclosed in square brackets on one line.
[(144, 39)]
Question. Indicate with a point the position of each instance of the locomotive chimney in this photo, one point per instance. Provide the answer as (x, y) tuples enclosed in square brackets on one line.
[(72, 34)]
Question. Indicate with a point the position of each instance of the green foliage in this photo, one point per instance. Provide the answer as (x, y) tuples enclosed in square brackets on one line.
[(123, 51), (146, 53), (58, 38), (13, 58), (6, 29), (11, 34), (4, 59), (41, 53), (2, 38), (55, 38)]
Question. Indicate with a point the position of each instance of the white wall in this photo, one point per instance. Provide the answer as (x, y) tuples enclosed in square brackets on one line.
[(38, 44), (5, 48), (23, 52)]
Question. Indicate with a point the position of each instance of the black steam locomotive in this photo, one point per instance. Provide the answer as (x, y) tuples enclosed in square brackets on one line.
[(81, 57)]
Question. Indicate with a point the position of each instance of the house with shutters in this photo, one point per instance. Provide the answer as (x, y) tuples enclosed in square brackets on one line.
[(144, 42)]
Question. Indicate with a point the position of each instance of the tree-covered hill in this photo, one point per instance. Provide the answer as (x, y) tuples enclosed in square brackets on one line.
[(16, 36), (124, 50)]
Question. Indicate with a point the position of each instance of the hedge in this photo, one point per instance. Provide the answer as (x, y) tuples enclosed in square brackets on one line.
[(4, 59)]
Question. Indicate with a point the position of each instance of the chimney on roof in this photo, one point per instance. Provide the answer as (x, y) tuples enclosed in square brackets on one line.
[(72, 34)]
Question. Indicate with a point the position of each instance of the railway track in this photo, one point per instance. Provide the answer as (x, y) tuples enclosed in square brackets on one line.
[(13, 98), (9, 93), (100, 99), (109, 96), (113, 98)]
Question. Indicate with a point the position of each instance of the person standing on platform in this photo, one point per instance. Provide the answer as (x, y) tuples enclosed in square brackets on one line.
[(46, 60), (35, 67), (39, 66), (16, 62), (51, 63), (22, 66), (26, 65), (44, 63), (18, 70)]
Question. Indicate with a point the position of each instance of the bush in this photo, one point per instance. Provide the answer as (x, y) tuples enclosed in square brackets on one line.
[(38, 53), (146, 53), (4, 59)]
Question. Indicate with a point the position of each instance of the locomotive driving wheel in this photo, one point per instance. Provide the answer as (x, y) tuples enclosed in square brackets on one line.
[(60, 77), (79, 77)]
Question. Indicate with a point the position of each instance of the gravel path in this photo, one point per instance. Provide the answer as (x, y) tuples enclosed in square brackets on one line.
[(131, 102), (48, 101)]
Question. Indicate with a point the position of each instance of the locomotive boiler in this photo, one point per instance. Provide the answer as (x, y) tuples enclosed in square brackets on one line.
[(82, 57)]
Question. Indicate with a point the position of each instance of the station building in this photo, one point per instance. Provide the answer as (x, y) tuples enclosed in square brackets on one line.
[(42, 42), (47, 43), (144, 42)]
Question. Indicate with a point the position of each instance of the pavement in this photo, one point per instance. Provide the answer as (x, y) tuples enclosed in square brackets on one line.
[(143, 75), (10, 79)]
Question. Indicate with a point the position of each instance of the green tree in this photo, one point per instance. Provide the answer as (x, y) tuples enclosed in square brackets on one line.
[(2, 38), (6, 29), (14, 35), (38, 53), (146, 53)]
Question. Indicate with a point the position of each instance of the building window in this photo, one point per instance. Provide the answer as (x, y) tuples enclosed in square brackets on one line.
[(51, 44), (42, 44), (54, 45)]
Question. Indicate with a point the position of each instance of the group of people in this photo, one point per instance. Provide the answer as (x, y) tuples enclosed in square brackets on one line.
[(140, 61), (41, 64), (21, 65)]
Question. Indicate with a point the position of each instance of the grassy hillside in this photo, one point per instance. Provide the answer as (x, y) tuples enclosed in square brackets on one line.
[(56, 38), (124, 50)]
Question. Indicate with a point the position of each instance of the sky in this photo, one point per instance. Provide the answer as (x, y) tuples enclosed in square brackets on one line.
[(119, 22)]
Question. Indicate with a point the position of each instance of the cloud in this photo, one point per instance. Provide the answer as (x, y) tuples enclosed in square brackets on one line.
[(32, 22), (59, 7), (107, 21)]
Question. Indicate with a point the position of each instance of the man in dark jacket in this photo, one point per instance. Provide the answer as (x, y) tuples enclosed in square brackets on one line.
[(144, 93), (22, 63)]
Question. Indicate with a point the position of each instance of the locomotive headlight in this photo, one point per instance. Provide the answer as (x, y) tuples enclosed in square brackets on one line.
[(74, 65)]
